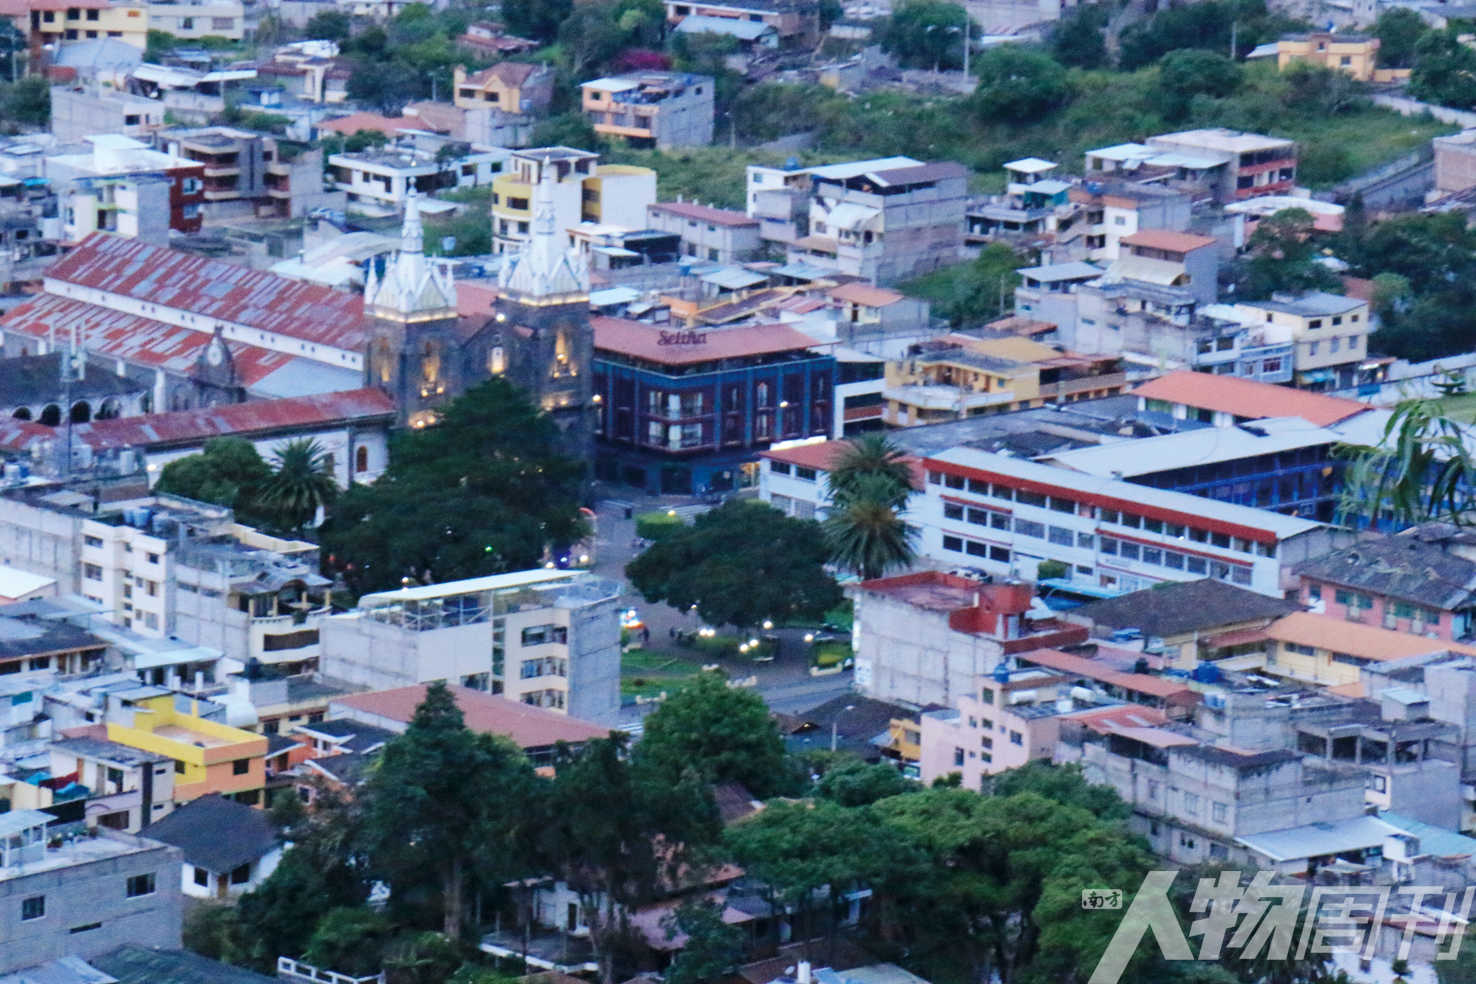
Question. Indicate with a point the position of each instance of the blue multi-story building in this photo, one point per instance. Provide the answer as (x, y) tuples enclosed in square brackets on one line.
[(1283, 464), (686, 411)]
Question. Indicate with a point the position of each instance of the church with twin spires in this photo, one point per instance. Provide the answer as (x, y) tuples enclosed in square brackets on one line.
[(423, 348)]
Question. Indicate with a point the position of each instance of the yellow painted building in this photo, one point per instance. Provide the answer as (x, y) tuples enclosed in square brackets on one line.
[(1352, 53), (1324, 649), (209, 757), (512, 87), (963, 376), (54, 22), (584, 191)]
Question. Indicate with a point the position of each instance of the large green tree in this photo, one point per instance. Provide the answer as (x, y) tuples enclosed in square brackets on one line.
[(536, 19), (723, 732), (1398, 29), (449, 805), (1019, 84), (1195, 72), (1444, 71), (1283, 257), (740, 564), (871, 454), (485, 490), (926, 33), (228, 471), (1079, 38), (619, 833)]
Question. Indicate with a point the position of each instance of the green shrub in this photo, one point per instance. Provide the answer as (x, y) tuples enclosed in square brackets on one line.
[(657, 525)]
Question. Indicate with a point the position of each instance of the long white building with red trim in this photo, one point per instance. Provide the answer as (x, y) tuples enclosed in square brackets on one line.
[(1006, 515)]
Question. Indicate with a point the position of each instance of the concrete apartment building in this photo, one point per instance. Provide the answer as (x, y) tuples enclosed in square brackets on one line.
[(1225, 165), (542, 637), (651, 109), (796, 22), (83, 898), (718, 235), (1455, 162), (190, 21), (209, 756), (1353, 54), (134, 206), (78, 113), (51, 23), (1166, 258), (779, 197), (129, 788), (1415, 582), (518, 88), (113, 157), (383, 179), (1006, 515), (885, 225), (1195, 801), (584, 190), (926, 638), (1329, 333), (235, 163)]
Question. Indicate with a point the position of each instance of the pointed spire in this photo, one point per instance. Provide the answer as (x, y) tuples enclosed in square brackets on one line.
[(544, 246), (412, 236), (544, 266), (371, 281)]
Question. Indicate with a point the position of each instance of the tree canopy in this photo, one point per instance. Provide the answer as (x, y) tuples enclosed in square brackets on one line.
[(228, 471), (926, 33), (740, 564), (448, 803), (492, 472), (724, 733), (1444, 71), (1398, 29), (1017, 84)]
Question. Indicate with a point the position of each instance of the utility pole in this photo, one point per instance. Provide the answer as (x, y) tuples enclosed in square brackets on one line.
[(1233, 26), (967, 18)]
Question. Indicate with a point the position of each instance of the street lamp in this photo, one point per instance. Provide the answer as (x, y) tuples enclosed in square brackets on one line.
[(835, 725)]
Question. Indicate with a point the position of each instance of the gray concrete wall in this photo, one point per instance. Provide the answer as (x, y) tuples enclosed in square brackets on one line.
[(88, 893)]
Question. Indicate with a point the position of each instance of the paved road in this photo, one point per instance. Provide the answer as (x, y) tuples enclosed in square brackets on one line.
[(785, 683)]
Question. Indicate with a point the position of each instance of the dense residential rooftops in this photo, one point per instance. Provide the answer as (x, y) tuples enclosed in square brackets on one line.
[(1322, 839), (530, 727), (1053, 272), (1079, 667), (1248, 398), (866, 295), (1225, 140), (102, 750), (510, 73), (1259, 525), (1402, 567), (1174, 608), (133, 964), (215, 289), (216, 833)]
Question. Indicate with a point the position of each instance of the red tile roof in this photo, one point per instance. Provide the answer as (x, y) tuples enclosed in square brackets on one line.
[(643, 341), (375, 122), (135, 338), (1174, 242), (256, 417), (19, 435), (475, 300), (1107, 719), (820, 455), (216, 289), (530, 727), (509, 73), (865, 295), (1248, 398), (703, 213)]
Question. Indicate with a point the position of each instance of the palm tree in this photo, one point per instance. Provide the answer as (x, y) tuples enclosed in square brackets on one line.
[(872, 454), (1420, 470), (301, 483), (865, 531)]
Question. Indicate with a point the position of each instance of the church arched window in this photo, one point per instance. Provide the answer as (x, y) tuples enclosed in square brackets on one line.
[(497, 360)]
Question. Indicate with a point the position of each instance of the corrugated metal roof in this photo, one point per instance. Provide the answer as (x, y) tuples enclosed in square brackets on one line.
[(187, 426), (216, 289), (134, 338)]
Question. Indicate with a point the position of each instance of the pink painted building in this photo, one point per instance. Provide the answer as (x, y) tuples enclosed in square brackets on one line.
[(1422, 582)]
